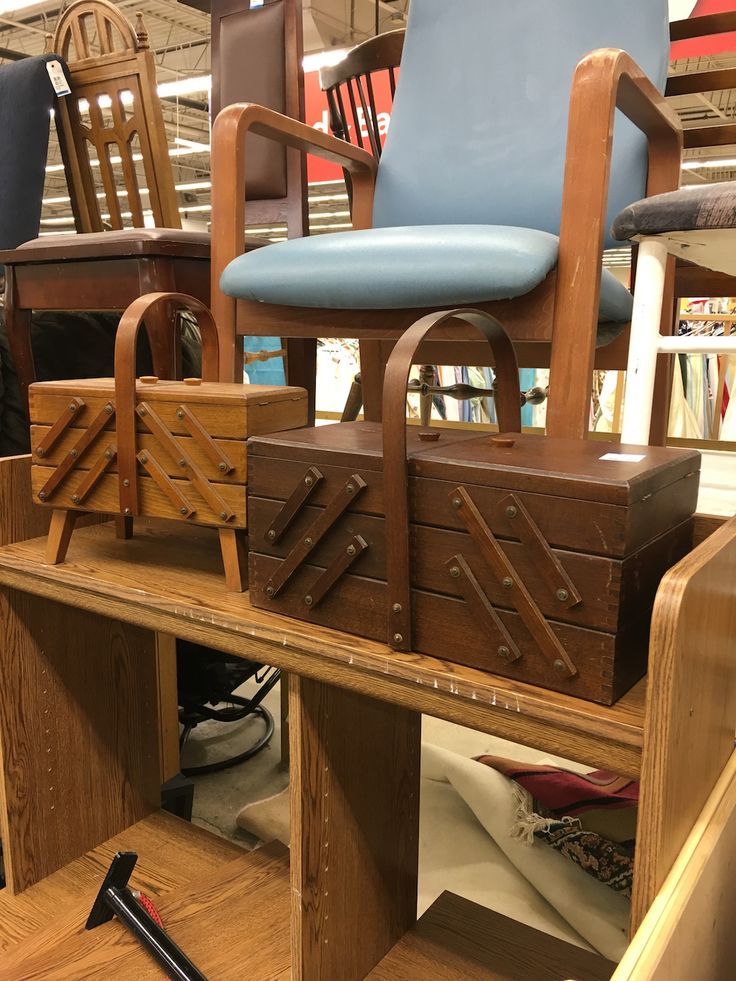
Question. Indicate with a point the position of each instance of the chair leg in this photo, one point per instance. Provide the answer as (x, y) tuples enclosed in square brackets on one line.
[(426, 377), (162, 338), (18, 328), (301, 369), (372, 368), (354, 401), (60, 533), (232, 546), (644, 341)]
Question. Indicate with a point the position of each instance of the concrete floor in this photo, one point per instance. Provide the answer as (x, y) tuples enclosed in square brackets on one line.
[(219, 797)]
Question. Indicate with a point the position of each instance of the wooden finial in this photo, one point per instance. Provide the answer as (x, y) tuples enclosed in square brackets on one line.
[(140, 32)]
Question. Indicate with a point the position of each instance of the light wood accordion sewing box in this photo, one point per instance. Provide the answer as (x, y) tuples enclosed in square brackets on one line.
[(151, 448)]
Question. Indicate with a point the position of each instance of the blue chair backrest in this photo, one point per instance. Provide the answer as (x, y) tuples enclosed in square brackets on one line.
[(26, 100), (479, 124)]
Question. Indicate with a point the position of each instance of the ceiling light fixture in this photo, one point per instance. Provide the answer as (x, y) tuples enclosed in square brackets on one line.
[(10, 6)]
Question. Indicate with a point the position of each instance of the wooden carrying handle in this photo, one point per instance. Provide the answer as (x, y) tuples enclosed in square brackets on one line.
[(395, 466), (125, 344)]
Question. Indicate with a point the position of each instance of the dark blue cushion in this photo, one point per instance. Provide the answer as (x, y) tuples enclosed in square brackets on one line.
[(401, 268), (26, 100)]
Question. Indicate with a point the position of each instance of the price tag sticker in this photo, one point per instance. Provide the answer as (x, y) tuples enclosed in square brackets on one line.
[(623, 457), (58, 78)]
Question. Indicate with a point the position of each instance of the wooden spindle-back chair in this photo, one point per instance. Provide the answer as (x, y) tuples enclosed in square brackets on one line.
[(114, 112)]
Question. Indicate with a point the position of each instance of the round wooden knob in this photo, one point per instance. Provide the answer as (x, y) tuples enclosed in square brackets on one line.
[(192, 381), (429, 435), (505, 441), (149, 379)]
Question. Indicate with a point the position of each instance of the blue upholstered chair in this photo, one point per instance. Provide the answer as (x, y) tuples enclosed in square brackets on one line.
[(505, 158)]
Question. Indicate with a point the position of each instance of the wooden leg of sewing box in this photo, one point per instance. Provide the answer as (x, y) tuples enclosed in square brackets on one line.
[(124, 526), (234, 559), (60, 533)]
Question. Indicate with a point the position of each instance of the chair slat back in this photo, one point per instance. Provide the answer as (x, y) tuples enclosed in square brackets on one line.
[(352, 80), (479, 124), (112, 121)]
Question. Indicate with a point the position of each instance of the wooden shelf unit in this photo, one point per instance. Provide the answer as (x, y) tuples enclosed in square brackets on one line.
[(79, 722)]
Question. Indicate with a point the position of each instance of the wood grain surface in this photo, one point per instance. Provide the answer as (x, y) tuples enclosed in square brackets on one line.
[(691, 706), (78, 731), (169, 578), (688, 931), (458, 940), (232, 922), (354, 829)]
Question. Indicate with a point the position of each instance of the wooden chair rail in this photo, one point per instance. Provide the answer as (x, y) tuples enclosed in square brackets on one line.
[(604, 81)]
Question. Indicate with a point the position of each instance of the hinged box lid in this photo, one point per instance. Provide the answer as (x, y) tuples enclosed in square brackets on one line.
[(591, 470)]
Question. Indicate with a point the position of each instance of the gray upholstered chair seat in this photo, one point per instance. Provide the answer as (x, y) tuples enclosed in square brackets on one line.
[(697, 224), (407, 267), (686, 210)]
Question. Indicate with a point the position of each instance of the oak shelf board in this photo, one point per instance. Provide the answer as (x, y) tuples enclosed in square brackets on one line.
[(199, 903), (458, 940), (168, 578), (172, 853)]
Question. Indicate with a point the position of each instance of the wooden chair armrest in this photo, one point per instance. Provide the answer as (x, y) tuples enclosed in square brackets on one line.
[(229, 186), (604, 80)]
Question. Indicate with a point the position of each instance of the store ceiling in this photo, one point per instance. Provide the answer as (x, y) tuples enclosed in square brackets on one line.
[(179, 37)]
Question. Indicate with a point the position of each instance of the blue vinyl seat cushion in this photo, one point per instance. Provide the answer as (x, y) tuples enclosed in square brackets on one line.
[(400, 268)]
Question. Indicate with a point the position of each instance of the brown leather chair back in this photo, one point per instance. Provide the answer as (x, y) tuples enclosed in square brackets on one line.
[(112, 117), (257, 57)]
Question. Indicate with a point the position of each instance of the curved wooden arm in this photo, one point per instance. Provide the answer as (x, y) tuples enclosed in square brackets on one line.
[(229, 188), (605, 80)]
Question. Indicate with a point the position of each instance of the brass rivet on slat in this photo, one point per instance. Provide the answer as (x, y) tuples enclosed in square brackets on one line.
[(562, 595), (308, 600), (398, 638), (126, 511), (40, 451), (351, 550), (271, 534), (108, 454), (223, 515), (144, 458), (73, 454), (126, 482), (179, 413), (308, 481), (269, 590), (72, 407), (108, 409), (503, 652), (308, 542), (559, 666), (42, 496), (143, 410), (508, 583), (222, 467), (396, 608), (350, 488), (75, 498), (182, 463), (511, 512), (456, 502), (455, 572), (183, 510)]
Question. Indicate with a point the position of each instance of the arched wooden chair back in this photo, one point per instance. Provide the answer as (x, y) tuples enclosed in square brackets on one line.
[(349, 87), (112, 122)]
